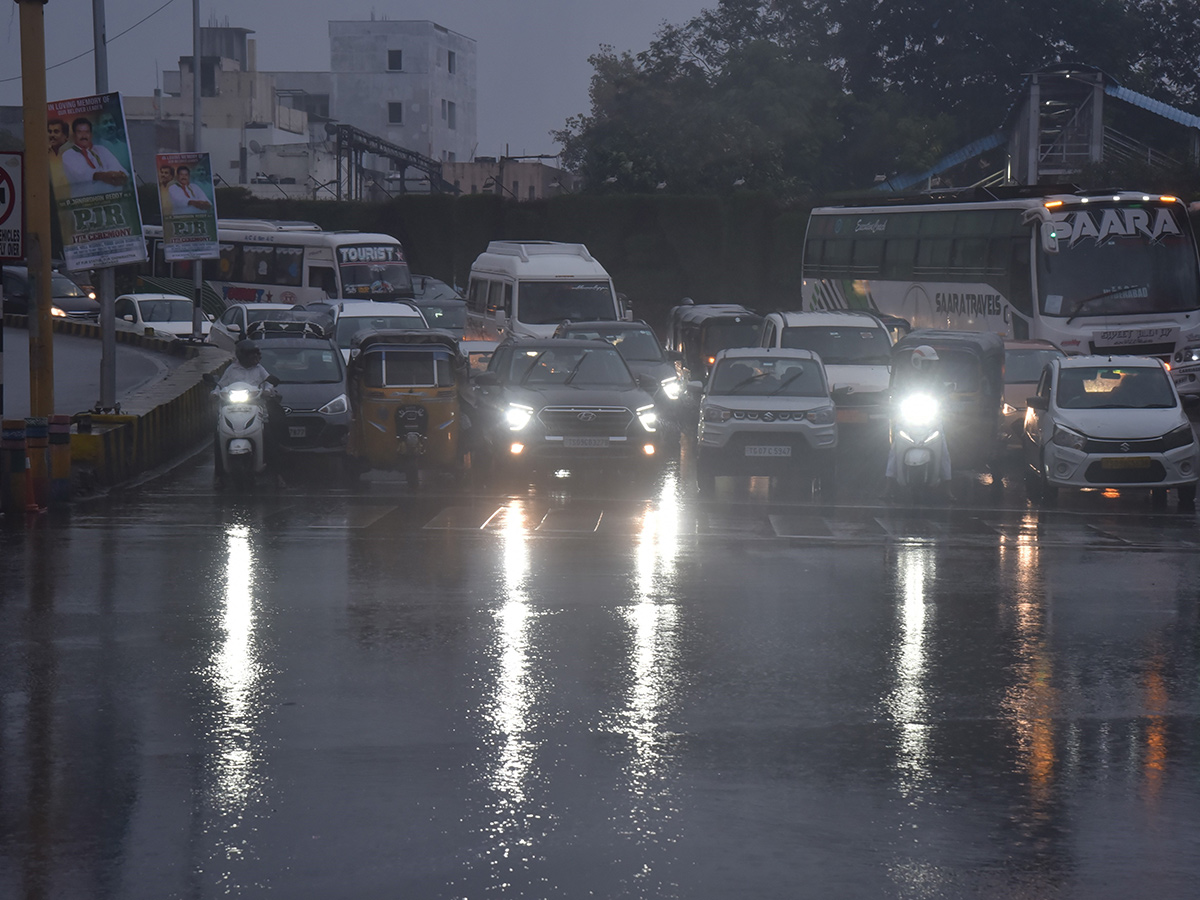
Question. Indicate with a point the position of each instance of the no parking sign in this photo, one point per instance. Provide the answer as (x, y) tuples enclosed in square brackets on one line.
[(11, 214)]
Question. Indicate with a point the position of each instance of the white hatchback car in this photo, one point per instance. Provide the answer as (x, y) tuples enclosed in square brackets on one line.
[(170, 315), (1109, 422), (353, 316), (766, 411)]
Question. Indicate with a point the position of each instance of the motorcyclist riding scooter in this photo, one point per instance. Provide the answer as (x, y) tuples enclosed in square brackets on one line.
[(918, 457), (247, 369)]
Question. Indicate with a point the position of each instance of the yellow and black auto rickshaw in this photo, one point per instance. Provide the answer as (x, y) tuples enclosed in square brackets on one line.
[(404, 400)]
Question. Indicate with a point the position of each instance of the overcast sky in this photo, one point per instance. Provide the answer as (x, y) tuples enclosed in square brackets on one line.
[(532, 54)]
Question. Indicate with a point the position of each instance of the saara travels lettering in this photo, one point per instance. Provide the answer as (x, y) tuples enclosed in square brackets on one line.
[(1103, 224)]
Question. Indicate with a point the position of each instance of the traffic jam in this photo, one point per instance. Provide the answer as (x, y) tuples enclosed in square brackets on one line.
[(542, 371)]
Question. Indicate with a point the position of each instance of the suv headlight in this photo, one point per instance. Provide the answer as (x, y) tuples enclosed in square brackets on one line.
[(1065, 437), (822, 415), (1178, 437), (716, 414), (518, 416), (336, 406), (648, 417), (672, 388)]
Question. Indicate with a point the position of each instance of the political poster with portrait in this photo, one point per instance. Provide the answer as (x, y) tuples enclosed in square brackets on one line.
[(91, 178), (189, 210)]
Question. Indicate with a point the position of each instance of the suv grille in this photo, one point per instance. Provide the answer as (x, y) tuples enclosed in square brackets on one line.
[(585, 420)]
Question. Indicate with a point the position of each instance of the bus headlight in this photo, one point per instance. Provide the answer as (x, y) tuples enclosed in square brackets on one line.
[(518, 416), (648, 418)]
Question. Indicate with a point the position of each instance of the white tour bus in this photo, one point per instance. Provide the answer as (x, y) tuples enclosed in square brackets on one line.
[(264, 261), (528, 287), (1092, 272)]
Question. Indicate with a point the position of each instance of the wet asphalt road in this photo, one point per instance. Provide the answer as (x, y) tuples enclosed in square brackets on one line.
[(598, 689)]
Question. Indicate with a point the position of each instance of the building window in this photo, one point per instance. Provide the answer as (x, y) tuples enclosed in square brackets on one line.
[(395, 113), (443, 110), (516, 191), (395, 60), (450, 156), (451, 61), (532, 193), (451, 118)]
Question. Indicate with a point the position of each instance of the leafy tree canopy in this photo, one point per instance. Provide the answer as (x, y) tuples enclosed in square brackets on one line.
[(802, 96)]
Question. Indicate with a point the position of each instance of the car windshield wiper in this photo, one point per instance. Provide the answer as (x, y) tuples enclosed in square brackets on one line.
[(757, 376), (533, 365), (786, 382), (574, 370)]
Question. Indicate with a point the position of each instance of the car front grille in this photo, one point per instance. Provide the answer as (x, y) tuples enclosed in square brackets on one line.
[(1151, 474), (585, 420), (1144, 445)]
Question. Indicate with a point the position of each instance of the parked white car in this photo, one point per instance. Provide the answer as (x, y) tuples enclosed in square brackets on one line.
[(237, 317), (1109, 422), (168, 314), (766, 411)]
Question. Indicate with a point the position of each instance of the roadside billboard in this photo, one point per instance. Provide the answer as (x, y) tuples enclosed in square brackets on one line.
[(91, 178), (189, 212)]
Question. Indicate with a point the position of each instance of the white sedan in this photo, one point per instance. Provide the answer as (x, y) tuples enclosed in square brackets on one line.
[(1109, 422), (168, 314)]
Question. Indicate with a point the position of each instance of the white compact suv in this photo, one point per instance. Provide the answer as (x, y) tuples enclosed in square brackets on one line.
[(1109, 422), (856, 349), (766, 411)]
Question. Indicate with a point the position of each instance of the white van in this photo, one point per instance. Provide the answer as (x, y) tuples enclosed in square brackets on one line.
[(527, 288)]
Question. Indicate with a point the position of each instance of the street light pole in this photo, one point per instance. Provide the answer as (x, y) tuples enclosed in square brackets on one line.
[(197, 123), (37, 206), (107, 286)]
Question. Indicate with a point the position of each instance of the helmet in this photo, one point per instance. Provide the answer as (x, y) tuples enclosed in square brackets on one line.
[(248, 353), (924, 357)]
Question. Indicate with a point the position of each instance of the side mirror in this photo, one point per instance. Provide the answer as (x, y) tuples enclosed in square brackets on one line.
[(1036, 402), (1190, 399), (696, 387), (648, 383), (841, 393), (1049, 233), (128, 317), (674, 355), (486, 379)]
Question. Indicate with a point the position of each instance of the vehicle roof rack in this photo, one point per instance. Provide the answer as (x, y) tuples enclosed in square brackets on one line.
[(288, 328)]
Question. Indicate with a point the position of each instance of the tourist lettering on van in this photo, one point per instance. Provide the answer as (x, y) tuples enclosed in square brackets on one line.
[(377, 253)]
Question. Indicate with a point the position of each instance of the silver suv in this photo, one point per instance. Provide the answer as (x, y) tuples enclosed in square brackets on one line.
[(766, 411), (856, 349)]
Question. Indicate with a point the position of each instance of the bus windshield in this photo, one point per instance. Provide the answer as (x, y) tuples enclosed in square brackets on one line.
[(374, 272), (549, 302), (1130, 271)]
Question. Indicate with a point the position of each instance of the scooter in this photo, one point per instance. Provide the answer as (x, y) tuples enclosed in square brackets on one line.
[(241, 433), (918, 460)]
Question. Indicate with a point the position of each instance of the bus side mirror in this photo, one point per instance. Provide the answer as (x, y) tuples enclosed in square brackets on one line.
[(1049, 232)]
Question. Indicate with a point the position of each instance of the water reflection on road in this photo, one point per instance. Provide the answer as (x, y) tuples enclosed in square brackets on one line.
[(598, 690)]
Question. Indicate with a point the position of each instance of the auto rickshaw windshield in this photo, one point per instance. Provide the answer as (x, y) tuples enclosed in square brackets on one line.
[(408, 368)]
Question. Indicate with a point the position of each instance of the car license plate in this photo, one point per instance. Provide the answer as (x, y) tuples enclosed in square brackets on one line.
[(585, 442), (1125, 462), (852, 416), (297, 431), (769, 450)]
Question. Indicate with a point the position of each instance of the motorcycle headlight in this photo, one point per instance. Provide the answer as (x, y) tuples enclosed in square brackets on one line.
[(336, 406), (716, 414), (918, 410), (822, 415), (672, 388), (518, 416), (239, 396), (648, 418), (1065, 437), (1178, 437)]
